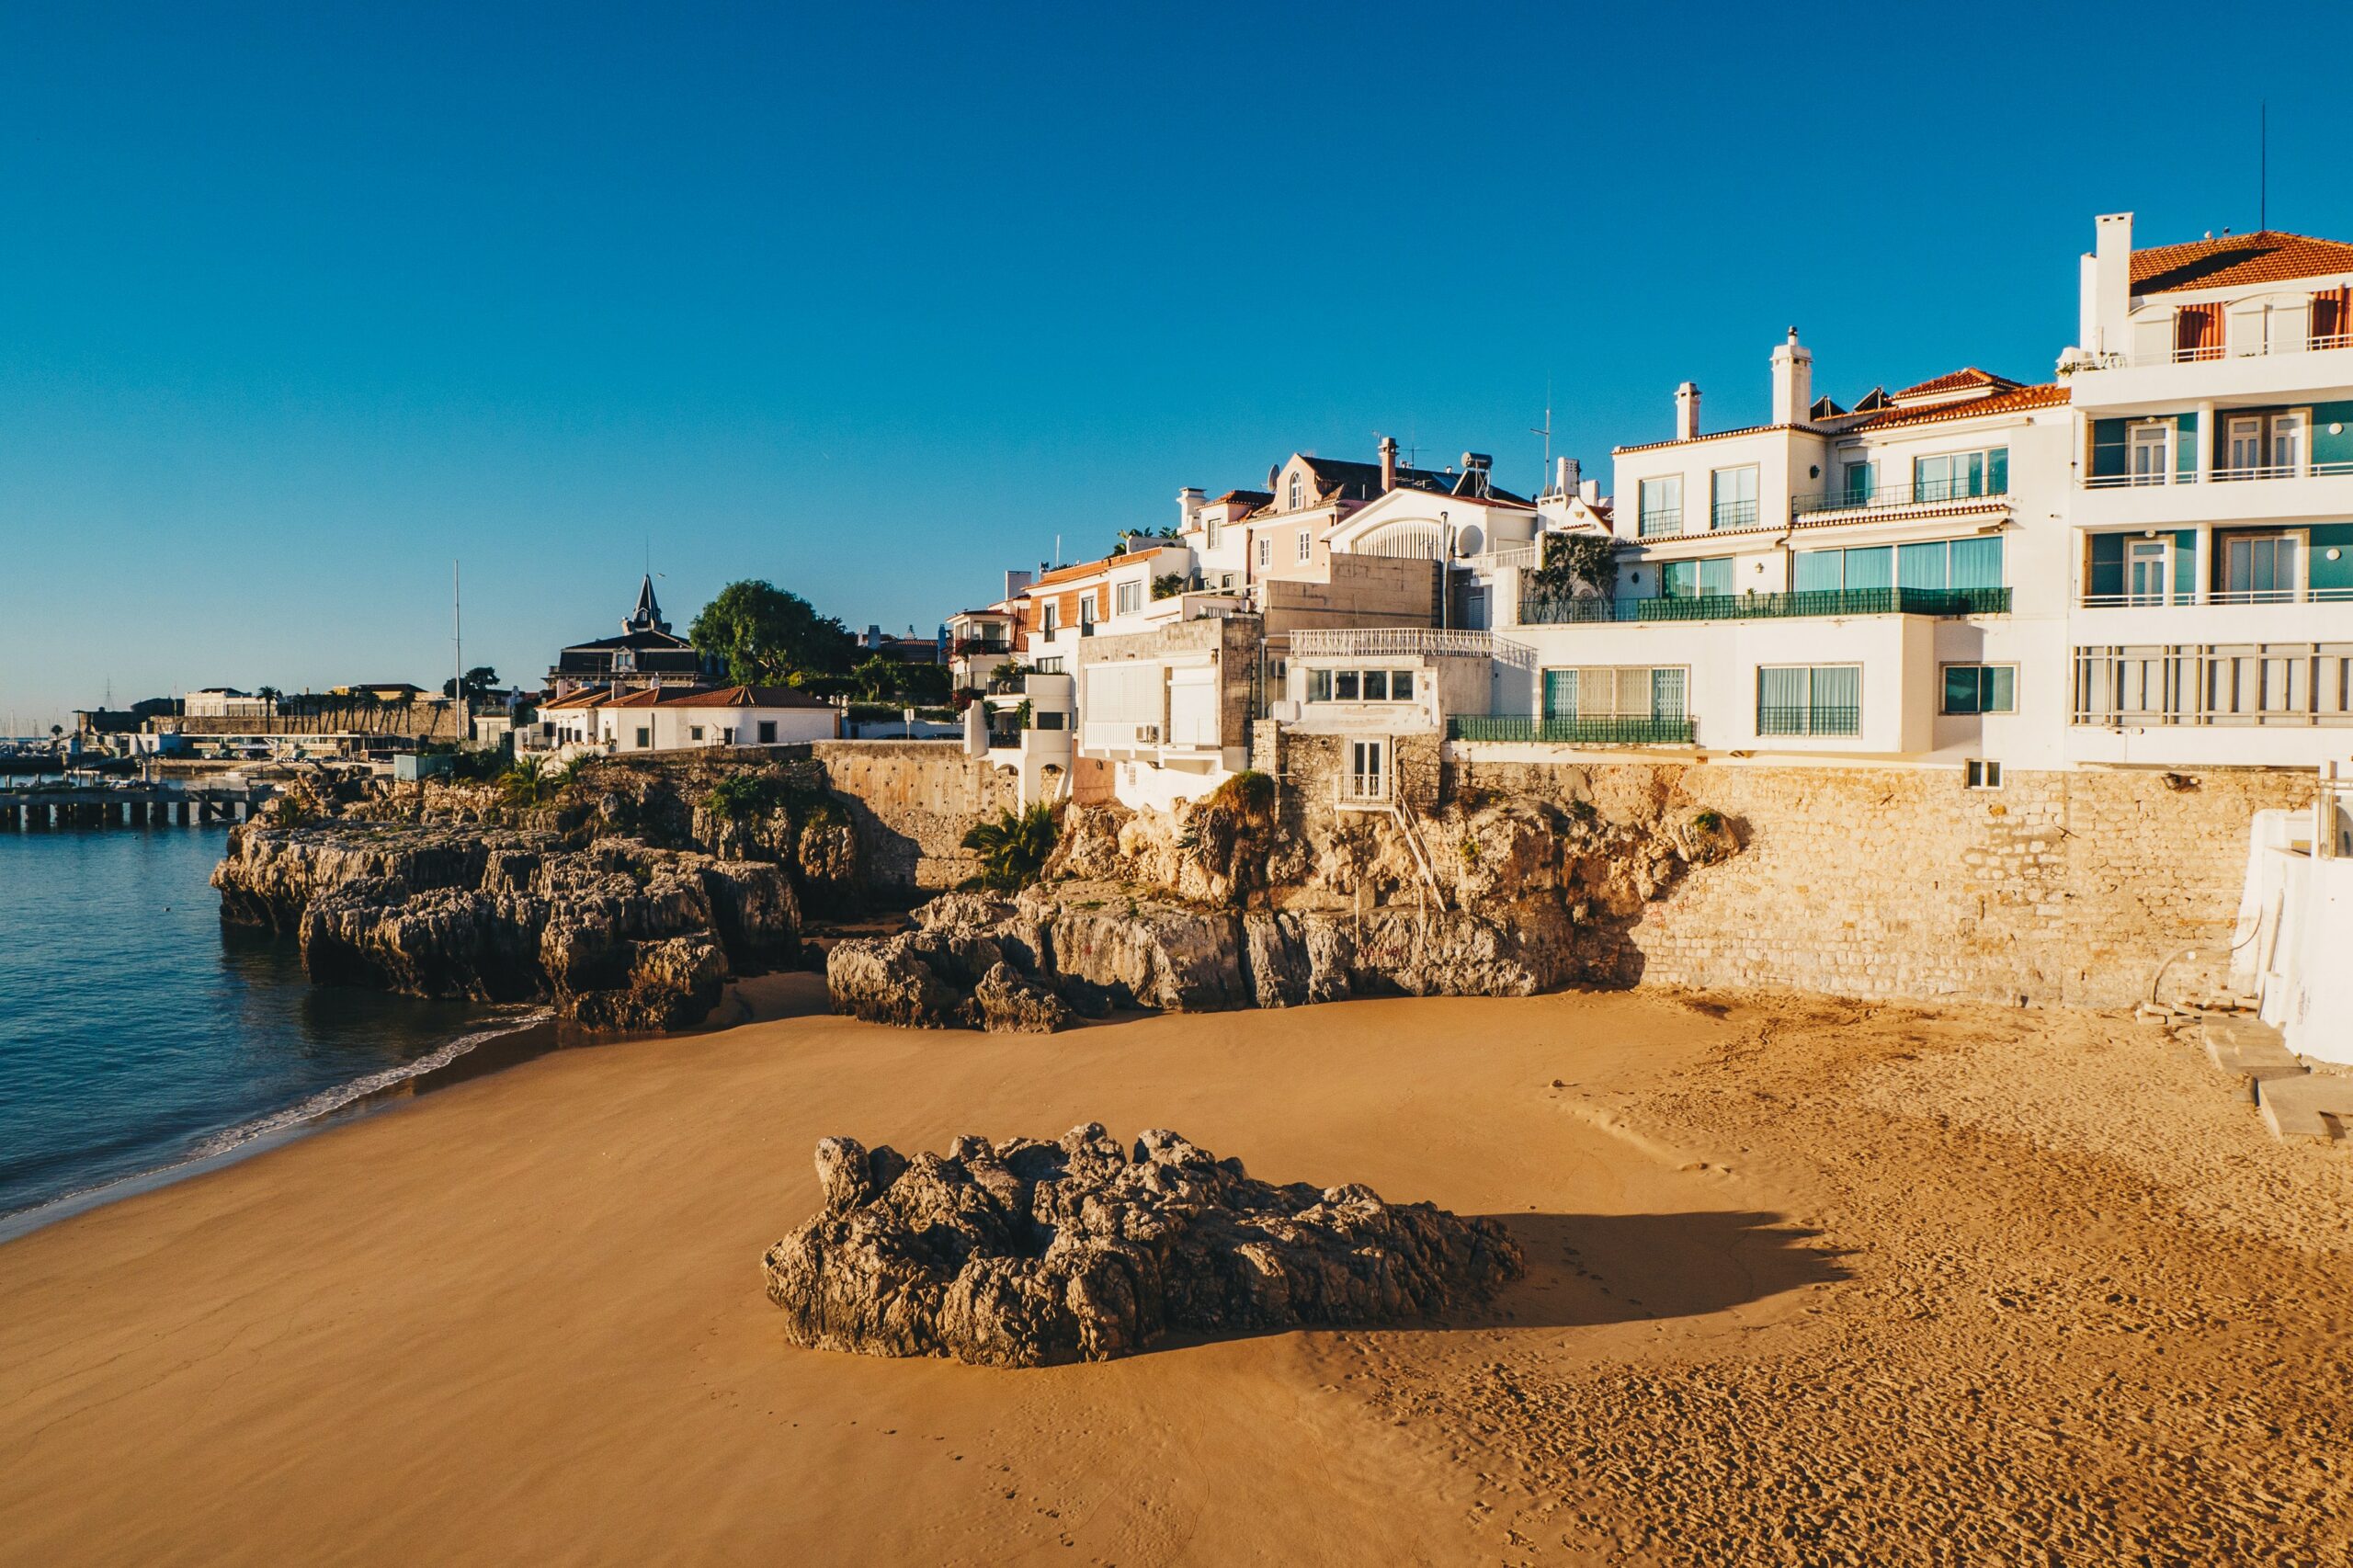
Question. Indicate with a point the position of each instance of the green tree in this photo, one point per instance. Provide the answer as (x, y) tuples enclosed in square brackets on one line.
[(765, 635), (481, 681), (876, 678), (1014, 847)]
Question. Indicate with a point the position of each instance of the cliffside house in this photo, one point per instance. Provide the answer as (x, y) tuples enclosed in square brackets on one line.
[(619, 720), (646, 655)]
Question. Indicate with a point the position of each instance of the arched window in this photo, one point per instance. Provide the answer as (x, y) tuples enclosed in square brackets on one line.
[(1294, 492)]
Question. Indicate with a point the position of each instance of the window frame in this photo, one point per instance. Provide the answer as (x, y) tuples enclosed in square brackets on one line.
[(1717, 501), (1670, 506), (1306, 546), (1292, 496), (1986, 669)]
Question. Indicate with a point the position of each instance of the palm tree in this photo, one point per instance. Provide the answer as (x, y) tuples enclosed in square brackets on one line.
[(1013, 849)]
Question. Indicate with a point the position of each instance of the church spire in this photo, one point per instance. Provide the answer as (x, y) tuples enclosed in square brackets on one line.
[(647, 616)]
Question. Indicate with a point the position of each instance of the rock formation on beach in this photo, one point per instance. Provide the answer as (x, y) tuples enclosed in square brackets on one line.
[(616, 934), (1533, 897), (1024, 1253)]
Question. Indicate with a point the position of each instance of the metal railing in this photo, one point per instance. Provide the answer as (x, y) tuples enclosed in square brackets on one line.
[(1550, 611), (1579, 731), (1936, 492), (2199, 353), (1659, 523), (1407, 642), (1810, 719), (2219, 476), (1727, 516), (2181, 599)]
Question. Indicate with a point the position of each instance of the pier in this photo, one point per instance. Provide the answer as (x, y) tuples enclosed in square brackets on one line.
[(147, 805)]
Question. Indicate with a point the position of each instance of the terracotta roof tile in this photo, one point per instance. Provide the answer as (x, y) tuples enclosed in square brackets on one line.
[(2265, 256), (2015, 399), (1954, 380)]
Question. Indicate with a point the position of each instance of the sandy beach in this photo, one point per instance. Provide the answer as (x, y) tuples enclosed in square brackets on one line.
[(1809, 1282)]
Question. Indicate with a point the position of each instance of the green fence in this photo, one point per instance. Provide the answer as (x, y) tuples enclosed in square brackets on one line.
[(1573, 731), (1540, 612)]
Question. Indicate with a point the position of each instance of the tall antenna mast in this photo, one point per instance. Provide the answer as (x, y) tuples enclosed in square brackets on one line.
[(1545, 430), (458, 653), (2263, 166)]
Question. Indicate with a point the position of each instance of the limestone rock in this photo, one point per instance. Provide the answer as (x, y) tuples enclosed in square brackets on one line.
[(1010, 1001), (1023, 1254)]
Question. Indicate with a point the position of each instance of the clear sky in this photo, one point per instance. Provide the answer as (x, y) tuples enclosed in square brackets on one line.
[(298, 303)]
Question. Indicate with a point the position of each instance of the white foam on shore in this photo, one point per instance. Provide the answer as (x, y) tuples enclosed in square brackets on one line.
[(251, 1137)]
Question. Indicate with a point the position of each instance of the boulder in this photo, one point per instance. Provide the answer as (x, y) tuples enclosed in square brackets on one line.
[(1024, 1254)]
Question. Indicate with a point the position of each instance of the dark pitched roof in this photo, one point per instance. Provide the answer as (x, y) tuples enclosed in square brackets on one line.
[(1338, 479), (2266, 255), (639, 640)]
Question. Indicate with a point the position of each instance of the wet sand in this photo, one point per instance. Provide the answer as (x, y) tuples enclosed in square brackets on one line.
[(1809, 1283)]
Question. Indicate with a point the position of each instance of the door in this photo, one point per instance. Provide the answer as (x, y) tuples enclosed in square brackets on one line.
[(2288, 443), (2261, 570), (1559, 694), (2246, 446), (2145, 571), (2152, 454), (1368, 780)]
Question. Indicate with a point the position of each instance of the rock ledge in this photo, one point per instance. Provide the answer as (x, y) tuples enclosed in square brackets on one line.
[(1024, 1253)]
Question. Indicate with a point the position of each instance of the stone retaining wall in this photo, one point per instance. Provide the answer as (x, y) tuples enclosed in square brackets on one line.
[(2067, 888), (914, 801)]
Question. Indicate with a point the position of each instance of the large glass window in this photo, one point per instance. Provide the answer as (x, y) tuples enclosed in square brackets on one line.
[(1981, 688), (1810, 699), (1661, 505), (1862, 481), (2261, 570), (1931, 565), (1615, 691), (1715, 576), (1954, 476)]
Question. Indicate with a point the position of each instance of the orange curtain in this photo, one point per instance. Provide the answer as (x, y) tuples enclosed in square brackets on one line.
[(2330, 309), (2198, 331)]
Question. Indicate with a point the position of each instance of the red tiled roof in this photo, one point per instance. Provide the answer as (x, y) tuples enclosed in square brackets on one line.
[(2011, 401), (588, 696), (2263, 256), (1954, 380), (1713, 436), (1088, 568), (742, 697)]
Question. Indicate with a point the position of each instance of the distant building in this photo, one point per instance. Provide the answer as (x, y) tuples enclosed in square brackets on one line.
[(907, 650), (666, 718), (385, 691), (646, 655), (226, 702)]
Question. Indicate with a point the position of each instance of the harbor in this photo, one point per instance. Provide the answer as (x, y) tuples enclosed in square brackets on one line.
[(51, 805)]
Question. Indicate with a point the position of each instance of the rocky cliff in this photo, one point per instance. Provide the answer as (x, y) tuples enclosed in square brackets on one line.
[(1518, 897)]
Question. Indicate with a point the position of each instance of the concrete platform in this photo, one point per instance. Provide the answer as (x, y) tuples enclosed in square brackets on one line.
[(2316, 1105), (2249, 1050)]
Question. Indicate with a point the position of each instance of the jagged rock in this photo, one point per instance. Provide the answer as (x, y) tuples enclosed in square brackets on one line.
[(1154, 954), (616, 935), (1010, 1001), (1022, 1254)]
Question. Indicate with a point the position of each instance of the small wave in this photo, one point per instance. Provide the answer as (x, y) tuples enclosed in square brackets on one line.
[(326, 1102)]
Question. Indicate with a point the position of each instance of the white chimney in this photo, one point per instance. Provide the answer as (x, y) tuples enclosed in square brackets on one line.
[(1792, 382), (1686, 412), (2107, 306), (1589, 491), (1388, 464), (1564, 476), (1188, 506)]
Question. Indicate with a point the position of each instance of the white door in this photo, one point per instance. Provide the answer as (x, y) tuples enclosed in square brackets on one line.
[(2288, 443), (2144, 572), (1368, 779), (2152, 454), (2246, 446)]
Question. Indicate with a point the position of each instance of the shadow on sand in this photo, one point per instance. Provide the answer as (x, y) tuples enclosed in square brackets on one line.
[(1588, 1269)]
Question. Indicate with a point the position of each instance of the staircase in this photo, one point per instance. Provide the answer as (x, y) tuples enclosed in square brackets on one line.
[(1403, 818), (2296, 1104)]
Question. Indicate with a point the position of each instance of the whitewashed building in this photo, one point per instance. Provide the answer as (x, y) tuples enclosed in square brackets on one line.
[(654, 719)]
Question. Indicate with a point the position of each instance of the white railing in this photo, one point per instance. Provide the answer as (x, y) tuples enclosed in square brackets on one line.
[(2203, 353), (2219, 596), (1408, 642), (1503, 559), (2219, 476)]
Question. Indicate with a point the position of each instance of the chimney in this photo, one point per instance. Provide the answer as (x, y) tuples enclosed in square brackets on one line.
[(1792, 382), (1686, 412), (1564, 476), (1388, 464), (1589, 491), (1188, 506), (2107, 302)]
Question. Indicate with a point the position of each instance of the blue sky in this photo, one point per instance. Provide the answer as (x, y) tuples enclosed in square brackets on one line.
[(297, 304)]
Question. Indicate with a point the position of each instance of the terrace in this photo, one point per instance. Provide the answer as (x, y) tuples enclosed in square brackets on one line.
[(1943, 602)]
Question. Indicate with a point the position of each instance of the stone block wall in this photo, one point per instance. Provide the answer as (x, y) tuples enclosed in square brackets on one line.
[(913, 801), (2070, 888)]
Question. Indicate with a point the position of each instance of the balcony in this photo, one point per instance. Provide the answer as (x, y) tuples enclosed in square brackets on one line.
[(1730, 516), (1406, 642), (1819, 510), (2198, 352), (1947, 602), (2219, 476), (1660, 522), (1810, 719), (1593, 731)]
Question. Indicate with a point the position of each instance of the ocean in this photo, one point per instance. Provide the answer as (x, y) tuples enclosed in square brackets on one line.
[(138, 1036)]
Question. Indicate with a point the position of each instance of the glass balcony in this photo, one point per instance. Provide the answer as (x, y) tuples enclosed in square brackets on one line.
[(1541, 611)]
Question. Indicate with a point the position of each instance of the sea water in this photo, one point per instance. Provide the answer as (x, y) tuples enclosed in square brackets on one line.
[(137, 1035)]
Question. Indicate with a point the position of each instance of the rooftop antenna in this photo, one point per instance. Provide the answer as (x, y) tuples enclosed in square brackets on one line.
[(2263, 166), (457, 651), (1545, 430)]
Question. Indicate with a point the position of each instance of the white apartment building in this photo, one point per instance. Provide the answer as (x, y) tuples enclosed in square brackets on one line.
[(2212, 513)]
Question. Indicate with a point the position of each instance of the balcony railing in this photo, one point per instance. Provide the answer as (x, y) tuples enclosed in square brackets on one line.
[(1543, 611), (2198, 352), (2181, 599), (1728, 516), (1584, 732), (1660, 522), (1935, 493), (1812, 719), (2219, 476), (1407, 642)]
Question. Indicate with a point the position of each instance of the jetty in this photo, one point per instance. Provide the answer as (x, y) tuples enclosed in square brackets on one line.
[(49, 808)]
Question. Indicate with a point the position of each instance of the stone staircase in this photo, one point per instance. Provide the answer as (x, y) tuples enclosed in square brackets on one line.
[(2296, 1103)]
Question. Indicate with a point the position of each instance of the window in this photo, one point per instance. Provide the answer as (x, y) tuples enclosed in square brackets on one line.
[(2152, 454), (1294, 492), (1401, 685), (1733, 497), (1376, 686), (1087, 609), (2261, 569), (1319, 685), (1214, 535), (1306, 545), (1661, 507), (1981, 688), (1359, 686), (1959, 475), (1050, 619), (727, 736), (1862, 483), (2148, 563), (1810, 699), (1047, 720), (1940, 563), (1267, 549), (1980, 773), (1129, 597), (644, 738), (1615, 691), (1345, 684), (694, 731)]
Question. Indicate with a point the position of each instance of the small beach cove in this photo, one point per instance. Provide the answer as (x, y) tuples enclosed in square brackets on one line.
[(1792, 1267)]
